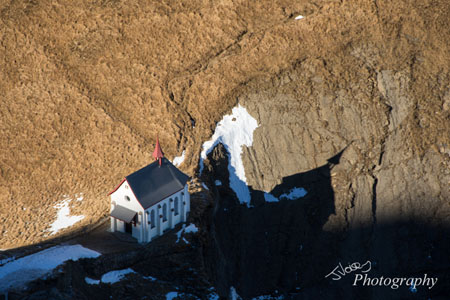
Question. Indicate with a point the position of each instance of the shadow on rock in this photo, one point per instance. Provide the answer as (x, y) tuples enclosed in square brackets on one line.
[(281, 248)]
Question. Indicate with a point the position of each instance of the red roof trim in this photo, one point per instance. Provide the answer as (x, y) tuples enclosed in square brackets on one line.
[(118, 186)]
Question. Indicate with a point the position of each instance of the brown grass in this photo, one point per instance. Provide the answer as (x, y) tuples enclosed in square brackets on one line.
[(86, 86)]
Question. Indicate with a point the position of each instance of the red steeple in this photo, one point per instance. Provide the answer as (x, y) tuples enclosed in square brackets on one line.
[(158, 154)]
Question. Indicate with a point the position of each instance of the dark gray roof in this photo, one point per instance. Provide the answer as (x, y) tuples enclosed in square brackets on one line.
[(123, 213), (153, 183)]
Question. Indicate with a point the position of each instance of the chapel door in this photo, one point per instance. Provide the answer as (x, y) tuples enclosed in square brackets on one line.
[(128, 227)]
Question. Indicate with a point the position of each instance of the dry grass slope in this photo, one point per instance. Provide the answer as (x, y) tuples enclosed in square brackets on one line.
[(87, 86)]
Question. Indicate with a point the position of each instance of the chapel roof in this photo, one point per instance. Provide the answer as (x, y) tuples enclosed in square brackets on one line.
[(156, 182)]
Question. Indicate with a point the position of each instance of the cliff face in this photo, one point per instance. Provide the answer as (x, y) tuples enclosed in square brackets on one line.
[(386, 109), (377, 174)]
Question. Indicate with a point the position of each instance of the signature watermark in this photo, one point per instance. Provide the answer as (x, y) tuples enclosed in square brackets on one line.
[(340, 271), (360, 270)]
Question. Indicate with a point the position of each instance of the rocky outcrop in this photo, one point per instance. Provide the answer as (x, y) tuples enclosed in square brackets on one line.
[(390, 190)]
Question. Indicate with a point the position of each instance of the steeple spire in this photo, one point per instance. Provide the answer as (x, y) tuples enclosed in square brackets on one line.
[(158, 154)]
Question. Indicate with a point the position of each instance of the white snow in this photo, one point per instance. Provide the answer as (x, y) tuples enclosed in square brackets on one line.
[(213, 296), (191, 229), (91, 281), (178, 160), (294, 193), (268, 297), (233, 131), (7, 260), (270, 198), (171, 295), (205, 186), (186, 229), (151, 278), (63, 217), (299, 17), (23, 270), (234, 295), (79, 197), (218, 183), (115, 276)]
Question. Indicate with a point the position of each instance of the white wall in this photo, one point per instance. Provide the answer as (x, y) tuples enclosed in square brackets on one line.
[(143, 231), (118, 198), (117, 225), (187, 199), (172, 219)]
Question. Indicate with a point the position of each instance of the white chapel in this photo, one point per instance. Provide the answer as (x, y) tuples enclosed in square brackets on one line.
[(151, 200)]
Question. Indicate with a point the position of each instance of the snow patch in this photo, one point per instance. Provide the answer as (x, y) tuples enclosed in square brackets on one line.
[(213, 296), (19, 272), (7, 260), (294, 193), (191, 229), (151, 278), (178, 160), (115, 276), (218, 183), (91, 281), (233, 131), (171, 295), (186, 229), (299, 17), (234, 295), (268, 297), (270, 198), (63, 217)]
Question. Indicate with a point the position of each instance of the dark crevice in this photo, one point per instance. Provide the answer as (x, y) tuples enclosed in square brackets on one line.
[(374, 201)]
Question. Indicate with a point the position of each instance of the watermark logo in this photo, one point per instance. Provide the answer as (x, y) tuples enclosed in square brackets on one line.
[(340, 271), (361, 270)]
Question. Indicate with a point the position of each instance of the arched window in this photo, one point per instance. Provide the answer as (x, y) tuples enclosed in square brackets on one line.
[(164, 212), (176, 206), (152, 218)]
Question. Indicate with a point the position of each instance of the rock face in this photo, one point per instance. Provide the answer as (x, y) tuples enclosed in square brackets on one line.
[(269, 246), (390, 191)]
